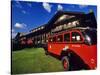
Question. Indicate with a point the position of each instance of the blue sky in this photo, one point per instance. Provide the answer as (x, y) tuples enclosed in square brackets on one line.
[(28, 15)]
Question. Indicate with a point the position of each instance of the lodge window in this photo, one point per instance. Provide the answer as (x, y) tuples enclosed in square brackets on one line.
[(64, 17), (59, 38), (50, 39), (67, 37), (76, 37), (53, 39)]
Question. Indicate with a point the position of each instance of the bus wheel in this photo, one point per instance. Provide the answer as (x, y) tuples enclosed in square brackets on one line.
[(65, 63)]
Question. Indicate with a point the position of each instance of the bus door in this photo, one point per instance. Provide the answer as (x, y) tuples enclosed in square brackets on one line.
[(77, 41)]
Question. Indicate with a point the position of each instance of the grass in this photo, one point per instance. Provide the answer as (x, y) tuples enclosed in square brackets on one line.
[(34, 60)]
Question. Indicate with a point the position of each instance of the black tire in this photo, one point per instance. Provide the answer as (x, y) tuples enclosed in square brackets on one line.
[(65, 63)]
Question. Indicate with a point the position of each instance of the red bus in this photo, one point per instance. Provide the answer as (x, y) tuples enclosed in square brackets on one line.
[(77, 48)]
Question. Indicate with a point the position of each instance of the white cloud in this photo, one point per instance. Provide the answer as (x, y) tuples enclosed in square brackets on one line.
[(23, 11), (18, 4), (20, 25), (47, 6), (29, 4), (60, 7), (83, 6)]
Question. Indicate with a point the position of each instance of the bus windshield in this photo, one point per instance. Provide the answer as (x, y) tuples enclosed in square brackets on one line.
[(90, 37)]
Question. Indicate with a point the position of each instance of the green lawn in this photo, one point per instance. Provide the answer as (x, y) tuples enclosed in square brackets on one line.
[(34, 60)]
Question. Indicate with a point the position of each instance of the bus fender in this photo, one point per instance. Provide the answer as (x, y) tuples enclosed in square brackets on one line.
[(66, 52)]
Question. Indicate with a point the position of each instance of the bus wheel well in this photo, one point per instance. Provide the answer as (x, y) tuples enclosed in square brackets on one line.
[(66, 53), (75, 60)]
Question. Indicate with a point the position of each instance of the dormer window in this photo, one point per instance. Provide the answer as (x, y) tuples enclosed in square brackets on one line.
[(64, 17)]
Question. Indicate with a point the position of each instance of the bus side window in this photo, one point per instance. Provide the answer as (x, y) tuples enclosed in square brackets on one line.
[(67, 37), (76, 37), (60, 38)]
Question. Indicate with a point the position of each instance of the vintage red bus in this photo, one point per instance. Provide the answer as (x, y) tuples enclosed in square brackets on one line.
[(77, 48)]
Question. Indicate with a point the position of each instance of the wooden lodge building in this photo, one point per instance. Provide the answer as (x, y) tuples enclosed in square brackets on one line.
[(61, 20)]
